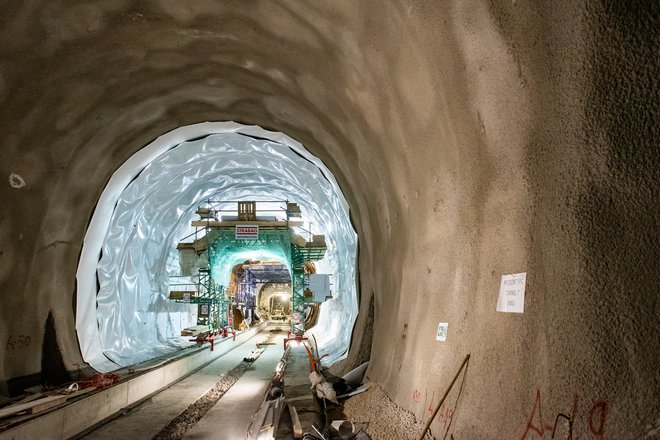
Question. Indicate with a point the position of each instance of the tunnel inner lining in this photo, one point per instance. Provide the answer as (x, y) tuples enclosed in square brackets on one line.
[(145, 208)]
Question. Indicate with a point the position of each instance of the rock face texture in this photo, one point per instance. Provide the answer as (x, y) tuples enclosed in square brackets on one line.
[(472, 139)]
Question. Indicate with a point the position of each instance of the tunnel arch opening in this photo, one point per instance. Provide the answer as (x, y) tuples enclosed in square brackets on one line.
[(148, 205)]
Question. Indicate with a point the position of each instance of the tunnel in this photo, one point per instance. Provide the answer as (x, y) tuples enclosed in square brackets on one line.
[(496, 164), (146, 213)]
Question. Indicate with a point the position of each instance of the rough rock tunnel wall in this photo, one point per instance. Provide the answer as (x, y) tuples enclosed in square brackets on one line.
[(472, 139)]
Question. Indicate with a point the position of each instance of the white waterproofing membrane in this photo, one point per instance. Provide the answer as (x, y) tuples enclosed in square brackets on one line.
[(146, 209)]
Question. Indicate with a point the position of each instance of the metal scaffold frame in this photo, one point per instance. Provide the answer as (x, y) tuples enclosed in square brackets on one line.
[(205, 293), (300, 256), (220, 237)]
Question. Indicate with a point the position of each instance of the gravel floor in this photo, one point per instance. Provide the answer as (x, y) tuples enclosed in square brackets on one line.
[(382, 418), (177, 428)]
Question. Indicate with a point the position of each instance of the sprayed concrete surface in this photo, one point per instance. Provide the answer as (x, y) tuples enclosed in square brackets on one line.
[(472, 139)]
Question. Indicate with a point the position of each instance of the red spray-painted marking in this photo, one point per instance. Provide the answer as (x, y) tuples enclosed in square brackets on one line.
[(598, 414), (542, 427), (536, 427)]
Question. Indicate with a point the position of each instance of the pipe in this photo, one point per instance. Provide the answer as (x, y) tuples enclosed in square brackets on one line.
[(276, 393), (353, 393), (316, 346), (311, 358)]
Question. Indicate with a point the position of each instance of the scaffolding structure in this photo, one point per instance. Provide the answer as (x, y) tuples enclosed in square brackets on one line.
[(299, 256), (202, 290), (218, 234)]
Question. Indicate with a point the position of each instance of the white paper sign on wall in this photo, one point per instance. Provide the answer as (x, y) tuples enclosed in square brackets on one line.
[(512, 293), (442, 332)]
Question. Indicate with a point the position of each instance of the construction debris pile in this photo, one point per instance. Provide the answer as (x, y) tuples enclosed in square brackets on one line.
[(301, 401), (383, 419), (39, 400)]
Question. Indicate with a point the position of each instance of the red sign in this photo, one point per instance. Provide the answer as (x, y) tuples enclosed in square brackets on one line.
[(247, 232)]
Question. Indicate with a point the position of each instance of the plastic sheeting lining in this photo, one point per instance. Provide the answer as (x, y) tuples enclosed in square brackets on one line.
[(130, 319)]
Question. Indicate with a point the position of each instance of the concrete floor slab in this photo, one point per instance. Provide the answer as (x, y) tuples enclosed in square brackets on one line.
[(230, 417), (298, 393), (149, 418)]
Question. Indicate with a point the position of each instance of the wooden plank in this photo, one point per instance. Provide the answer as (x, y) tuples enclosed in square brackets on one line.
[(295, 422), (201, 244), (261, 418), (230, 223), (309, 397), (36, 403), (277, 415), (31, 397), (182, 246), (268, 419), (178, 294), (33, 407), (195, 331), (6, 423), (206, 212), (43, 405)]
